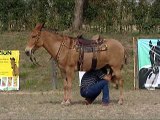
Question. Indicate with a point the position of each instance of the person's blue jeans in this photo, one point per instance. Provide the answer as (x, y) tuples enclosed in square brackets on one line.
[(93, 91)]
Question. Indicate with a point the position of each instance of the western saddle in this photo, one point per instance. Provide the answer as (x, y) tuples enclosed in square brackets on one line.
[(93, 45)]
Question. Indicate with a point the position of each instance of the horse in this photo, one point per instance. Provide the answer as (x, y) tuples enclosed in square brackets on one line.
[(63, 49), (15, 69)]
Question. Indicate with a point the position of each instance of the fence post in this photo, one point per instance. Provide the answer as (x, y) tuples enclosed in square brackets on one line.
[(135, 63), (54, 75)]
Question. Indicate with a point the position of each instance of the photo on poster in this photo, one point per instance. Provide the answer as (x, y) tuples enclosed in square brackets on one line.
[(4, 81), (149, 63), (9, 81), (15, 69), (15, 81)]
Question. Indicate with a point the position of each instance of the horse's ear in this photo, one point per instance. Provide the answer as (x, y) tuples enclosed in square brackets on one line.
[(158, 43), (79, 36), (150, 43), (39, 26)]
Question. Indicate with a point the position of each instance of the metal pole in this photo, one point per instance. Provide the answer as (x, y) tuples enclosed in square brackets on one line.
[(54, 75)]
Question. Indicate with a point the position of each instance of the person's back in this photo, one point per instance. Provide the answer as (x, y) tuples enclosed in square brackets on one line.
[(91, 77)]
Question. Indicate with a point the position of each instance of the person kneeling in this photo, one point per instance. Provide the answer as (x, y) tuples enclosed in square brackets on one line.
[(93, 82)]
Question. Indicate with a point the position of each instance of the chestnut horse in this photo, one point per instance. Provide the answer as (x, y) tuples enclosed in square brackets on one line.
[(63, 50)]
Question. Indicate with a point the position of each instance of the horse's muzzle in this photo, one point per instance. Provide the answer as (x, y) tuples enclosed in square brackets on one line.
[(27, 53)]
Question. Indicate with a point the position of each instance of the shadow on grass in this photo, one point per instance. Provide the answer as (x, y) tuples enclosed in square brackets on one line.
[(78, 102)]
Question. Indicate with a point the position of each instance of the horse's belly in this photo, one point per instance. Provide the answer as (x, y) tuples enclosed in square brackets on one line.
[(88, 61)]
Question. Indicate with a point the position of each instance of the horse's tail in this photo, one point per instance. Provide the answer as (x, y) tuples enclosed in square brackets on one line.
[(125, 58)]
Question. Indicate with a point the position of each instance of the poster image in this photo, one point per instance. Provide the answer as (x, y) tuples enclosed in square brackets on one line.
[(81, 73), (149, 63), (10, 81), (9, 70), (4, 81)]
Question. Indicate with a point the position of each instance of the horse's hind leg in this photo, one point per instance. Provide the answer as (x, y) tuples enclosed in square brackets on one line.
[(118, 76), (121, 91)]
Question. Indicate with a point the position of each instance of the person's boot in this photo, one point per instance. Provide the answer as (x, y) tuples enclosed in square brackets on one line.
[(88, 101)]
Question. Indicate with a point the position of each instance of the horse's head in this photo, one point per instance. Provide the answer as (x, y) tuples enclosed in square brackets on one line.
[(12, 60), (35, 40), (154, 55)]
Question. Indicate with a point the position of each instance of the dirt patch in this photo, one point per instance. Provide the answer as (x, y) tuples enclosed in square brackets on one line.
[(139, 104)]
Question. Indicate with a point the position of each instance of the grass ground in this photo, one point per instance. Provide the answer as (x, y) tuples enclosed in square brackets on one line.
[(139, 104)]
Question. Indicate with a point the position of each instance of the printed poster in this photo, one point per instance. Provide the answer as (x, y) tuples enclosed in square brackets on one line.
[(149, 63), (9, 70), (81, 73)]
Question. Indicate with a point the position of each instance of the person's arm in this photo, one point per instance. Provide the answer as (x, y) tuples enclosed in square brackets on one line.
[(107, 77), (103, 75)]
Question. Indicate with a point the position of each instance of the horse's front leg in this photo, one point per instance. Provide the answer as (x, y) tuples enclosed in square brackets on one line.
[(68, 86), (70, 76)]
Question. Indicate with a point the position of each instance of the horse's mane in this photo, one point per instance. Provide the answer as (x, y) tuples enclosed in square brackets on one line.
[(50, 29), (55, 31)]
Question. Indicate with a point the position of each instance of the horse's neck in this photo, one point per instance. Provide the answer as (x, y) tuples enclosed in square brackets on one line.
[(14, 67), (52, 44)]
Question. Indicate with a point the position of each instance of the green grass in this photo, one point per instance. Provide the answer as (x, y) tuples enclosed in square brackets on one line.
[(37, 78)]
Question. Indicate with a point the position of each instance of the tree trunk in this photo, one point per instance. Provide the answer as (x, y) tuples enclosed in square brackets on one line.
[(78, 14)]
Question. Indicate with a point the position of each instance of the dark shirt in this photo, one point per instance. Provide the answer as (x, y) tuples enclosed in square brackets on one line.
[(91, 78)]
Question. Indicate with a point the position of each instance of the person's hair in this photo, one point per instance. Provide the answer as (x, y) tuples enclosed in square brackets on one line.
[(107, 69)]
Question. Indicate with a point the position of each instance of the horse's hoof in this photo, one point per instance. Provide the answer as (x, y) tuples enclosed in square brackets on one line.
[(120, 102), (68, 102), (63, 102), (115, 86)]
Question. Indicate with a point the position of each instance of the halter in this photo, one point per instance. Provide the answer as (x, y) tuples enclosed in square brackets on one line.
[(32, 57), (61, 46)]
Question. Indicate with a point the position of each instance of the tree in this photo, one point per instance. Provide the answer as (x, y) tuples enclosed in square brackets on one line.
[(140, 14), (78, 14), (4, 14), (11, 14)]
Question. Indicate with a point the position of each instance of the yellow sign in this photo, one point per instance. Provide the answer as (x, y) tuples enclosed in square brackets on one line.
[(9, 70)]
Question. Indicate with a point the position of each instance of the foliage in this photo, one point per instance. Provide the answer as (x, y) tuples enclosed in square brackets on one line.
[(99, 15), (11, 11)]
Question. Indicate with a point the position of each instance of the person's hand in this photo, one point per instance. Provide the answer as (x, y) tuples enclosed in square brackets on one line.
[(108, 77)]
